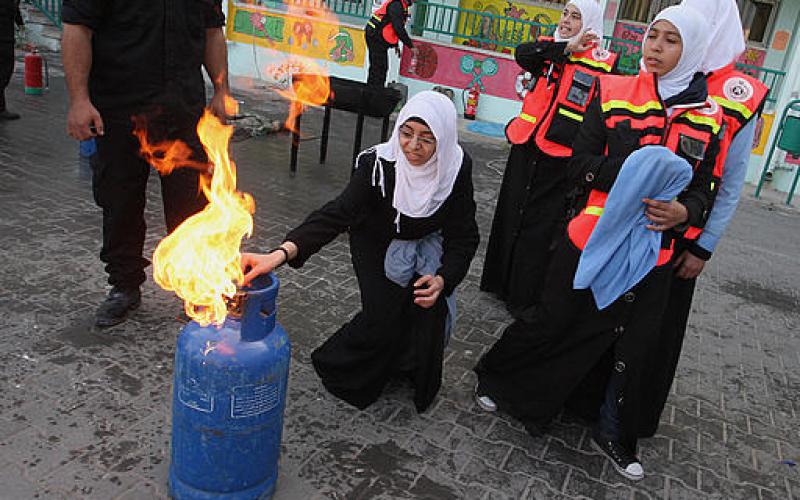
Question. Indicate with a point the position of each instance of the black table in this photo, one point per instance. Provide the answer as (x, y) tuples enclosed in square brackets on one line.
[(355, 97)]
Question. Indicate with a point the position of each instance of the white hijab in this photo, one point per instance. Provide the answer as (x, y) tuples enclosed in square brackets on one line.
[(591, 19), (419, 191), (694, 35), (726, 38)]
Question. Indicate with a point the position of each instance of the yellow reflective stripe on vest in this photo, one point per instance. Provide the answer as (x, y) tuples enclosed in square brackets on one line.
[(592, 210), (703, 120), (591, 62), (735, 106), (642, 108), (527, 117), (570, 114)]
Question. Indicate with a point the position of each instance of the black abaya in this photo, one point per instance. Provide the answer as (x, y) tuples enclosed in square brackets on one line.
[(357, 361)]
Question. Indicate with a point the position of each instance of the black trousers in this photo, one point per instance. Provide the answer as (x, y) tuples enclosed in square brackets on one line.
[(119, 183), (6, 69), (378, 59)]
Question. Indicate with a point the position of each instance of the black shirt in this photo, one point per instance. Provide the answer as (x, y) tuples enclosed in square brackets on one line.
[(146, 52)]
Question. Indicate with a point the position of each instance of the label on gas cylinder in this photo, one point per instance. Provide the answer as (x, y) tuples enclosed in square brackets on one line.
[(192, 395), (252, 400)]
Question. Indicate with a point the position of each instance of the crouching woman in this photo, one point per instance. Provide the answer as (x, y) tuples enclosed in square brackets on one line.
[(410, 214)]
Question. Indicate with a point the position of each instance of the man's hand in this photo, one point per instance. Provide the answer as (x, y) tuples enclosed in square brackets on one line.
[(426, 297), (688, 266), (217, 106), (84, 121), (665, 214), (397, 50)]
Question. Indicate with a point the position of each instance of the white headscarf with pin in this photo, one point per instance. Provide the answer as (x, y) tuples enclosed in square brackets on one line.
[(591, 19), (419, 191)]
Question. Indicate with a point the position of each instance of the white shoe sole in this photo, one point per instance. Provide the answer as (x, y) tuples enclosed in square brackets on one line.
[(620, 470), (486, 403)]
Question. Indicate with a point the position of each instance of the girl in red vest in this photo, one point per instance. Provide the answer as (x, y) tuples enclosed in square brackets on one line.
[(531, 202), (741, 98), (577, 348)]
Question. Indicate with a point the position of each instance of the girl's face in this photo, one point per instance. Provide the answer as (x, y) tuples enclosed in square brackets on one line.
[(663, 48), (417, 142), (571, 22)]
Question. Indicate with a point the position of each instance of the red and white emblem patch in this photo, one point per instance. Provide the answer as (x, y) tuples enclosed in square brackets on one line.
[(601, 54), (737, 89)]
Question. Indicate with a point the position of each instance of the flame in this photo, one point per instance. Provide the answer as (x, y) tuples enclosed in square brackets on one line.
[(200, 260), (312, 23)]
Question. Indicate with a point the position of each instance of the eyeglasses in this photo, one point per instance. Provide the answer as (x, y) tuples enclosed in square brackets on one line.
[(425, 140)]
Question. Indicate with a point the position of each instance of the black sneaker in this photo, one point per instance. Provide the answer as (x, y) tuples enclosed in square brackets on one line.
[(114, 310), (626, 463)]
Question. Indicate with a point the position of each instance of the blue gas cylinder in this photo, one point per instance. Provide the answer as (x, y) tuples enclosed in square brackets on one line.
[(228, 398)]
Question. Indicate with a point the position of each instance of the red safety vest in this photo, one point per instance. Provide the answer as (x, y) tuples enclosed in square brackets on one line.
[(379, 22), (554, 109), (635, 101), (741, 97)]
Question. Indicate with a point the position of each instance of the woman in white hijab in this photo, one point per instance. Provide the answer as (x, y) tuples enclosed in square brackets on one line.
[(530, 206), (741, 97), (575, 351), (410, 214)]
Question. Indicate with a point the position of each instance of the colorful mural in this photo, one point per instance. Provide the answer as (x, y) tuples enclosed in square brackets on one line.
[(628, 44), (461, 68), (753, 56), (501, 35), (304, 36)]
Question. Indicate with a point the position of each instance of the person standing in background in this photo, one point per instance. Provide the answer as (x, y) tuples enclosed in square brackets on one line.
[(385, 29), (741, 98), (531, 204), (9, 16)]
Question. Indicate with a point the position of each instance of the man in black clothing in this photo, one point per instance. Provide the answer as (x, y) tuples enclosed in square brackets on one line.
[(386, 28), (9, 15), (143, 59)]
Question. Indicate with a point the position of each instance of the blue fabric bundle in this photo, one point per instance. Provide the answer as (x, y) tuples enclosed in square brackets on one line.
[(621, 250), (404, 258)]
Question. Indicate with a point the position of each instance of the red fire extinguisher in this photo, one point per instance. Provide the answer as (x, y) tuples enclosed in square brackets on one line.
[(35, 79), (471, 97)]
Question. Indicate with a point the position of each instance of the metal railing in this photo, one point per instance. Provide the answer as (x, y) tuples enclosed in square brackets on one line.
[(359, 9), (50, 8), (475, 28)]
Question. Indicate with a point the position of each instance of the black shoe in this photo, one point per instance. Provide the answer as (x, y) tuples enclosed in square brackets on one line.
[(8, 115), (114, 310), (626, 463)]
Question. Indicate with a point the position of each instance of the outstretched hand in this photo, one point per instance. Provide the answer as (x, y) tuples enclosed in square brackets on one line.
[(428, 289), (256, 264)]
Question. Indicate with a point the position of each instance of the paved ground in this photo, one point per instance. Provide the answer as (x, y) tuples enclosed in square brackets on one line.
[(86, 414)]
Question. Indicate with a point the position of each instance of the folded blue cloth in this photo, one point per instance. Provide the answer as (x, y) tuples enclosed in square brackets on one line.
[(621, 250), (405, 258)]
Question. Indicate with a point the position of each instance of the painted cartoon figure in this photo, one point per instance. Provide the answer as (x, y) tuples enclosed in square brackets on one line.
[(342, 52)]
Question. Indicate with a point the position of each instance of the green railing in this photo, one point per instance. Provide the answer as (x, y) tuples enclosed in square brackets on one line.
[(475, 28), (50, 8), (359, 9)]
